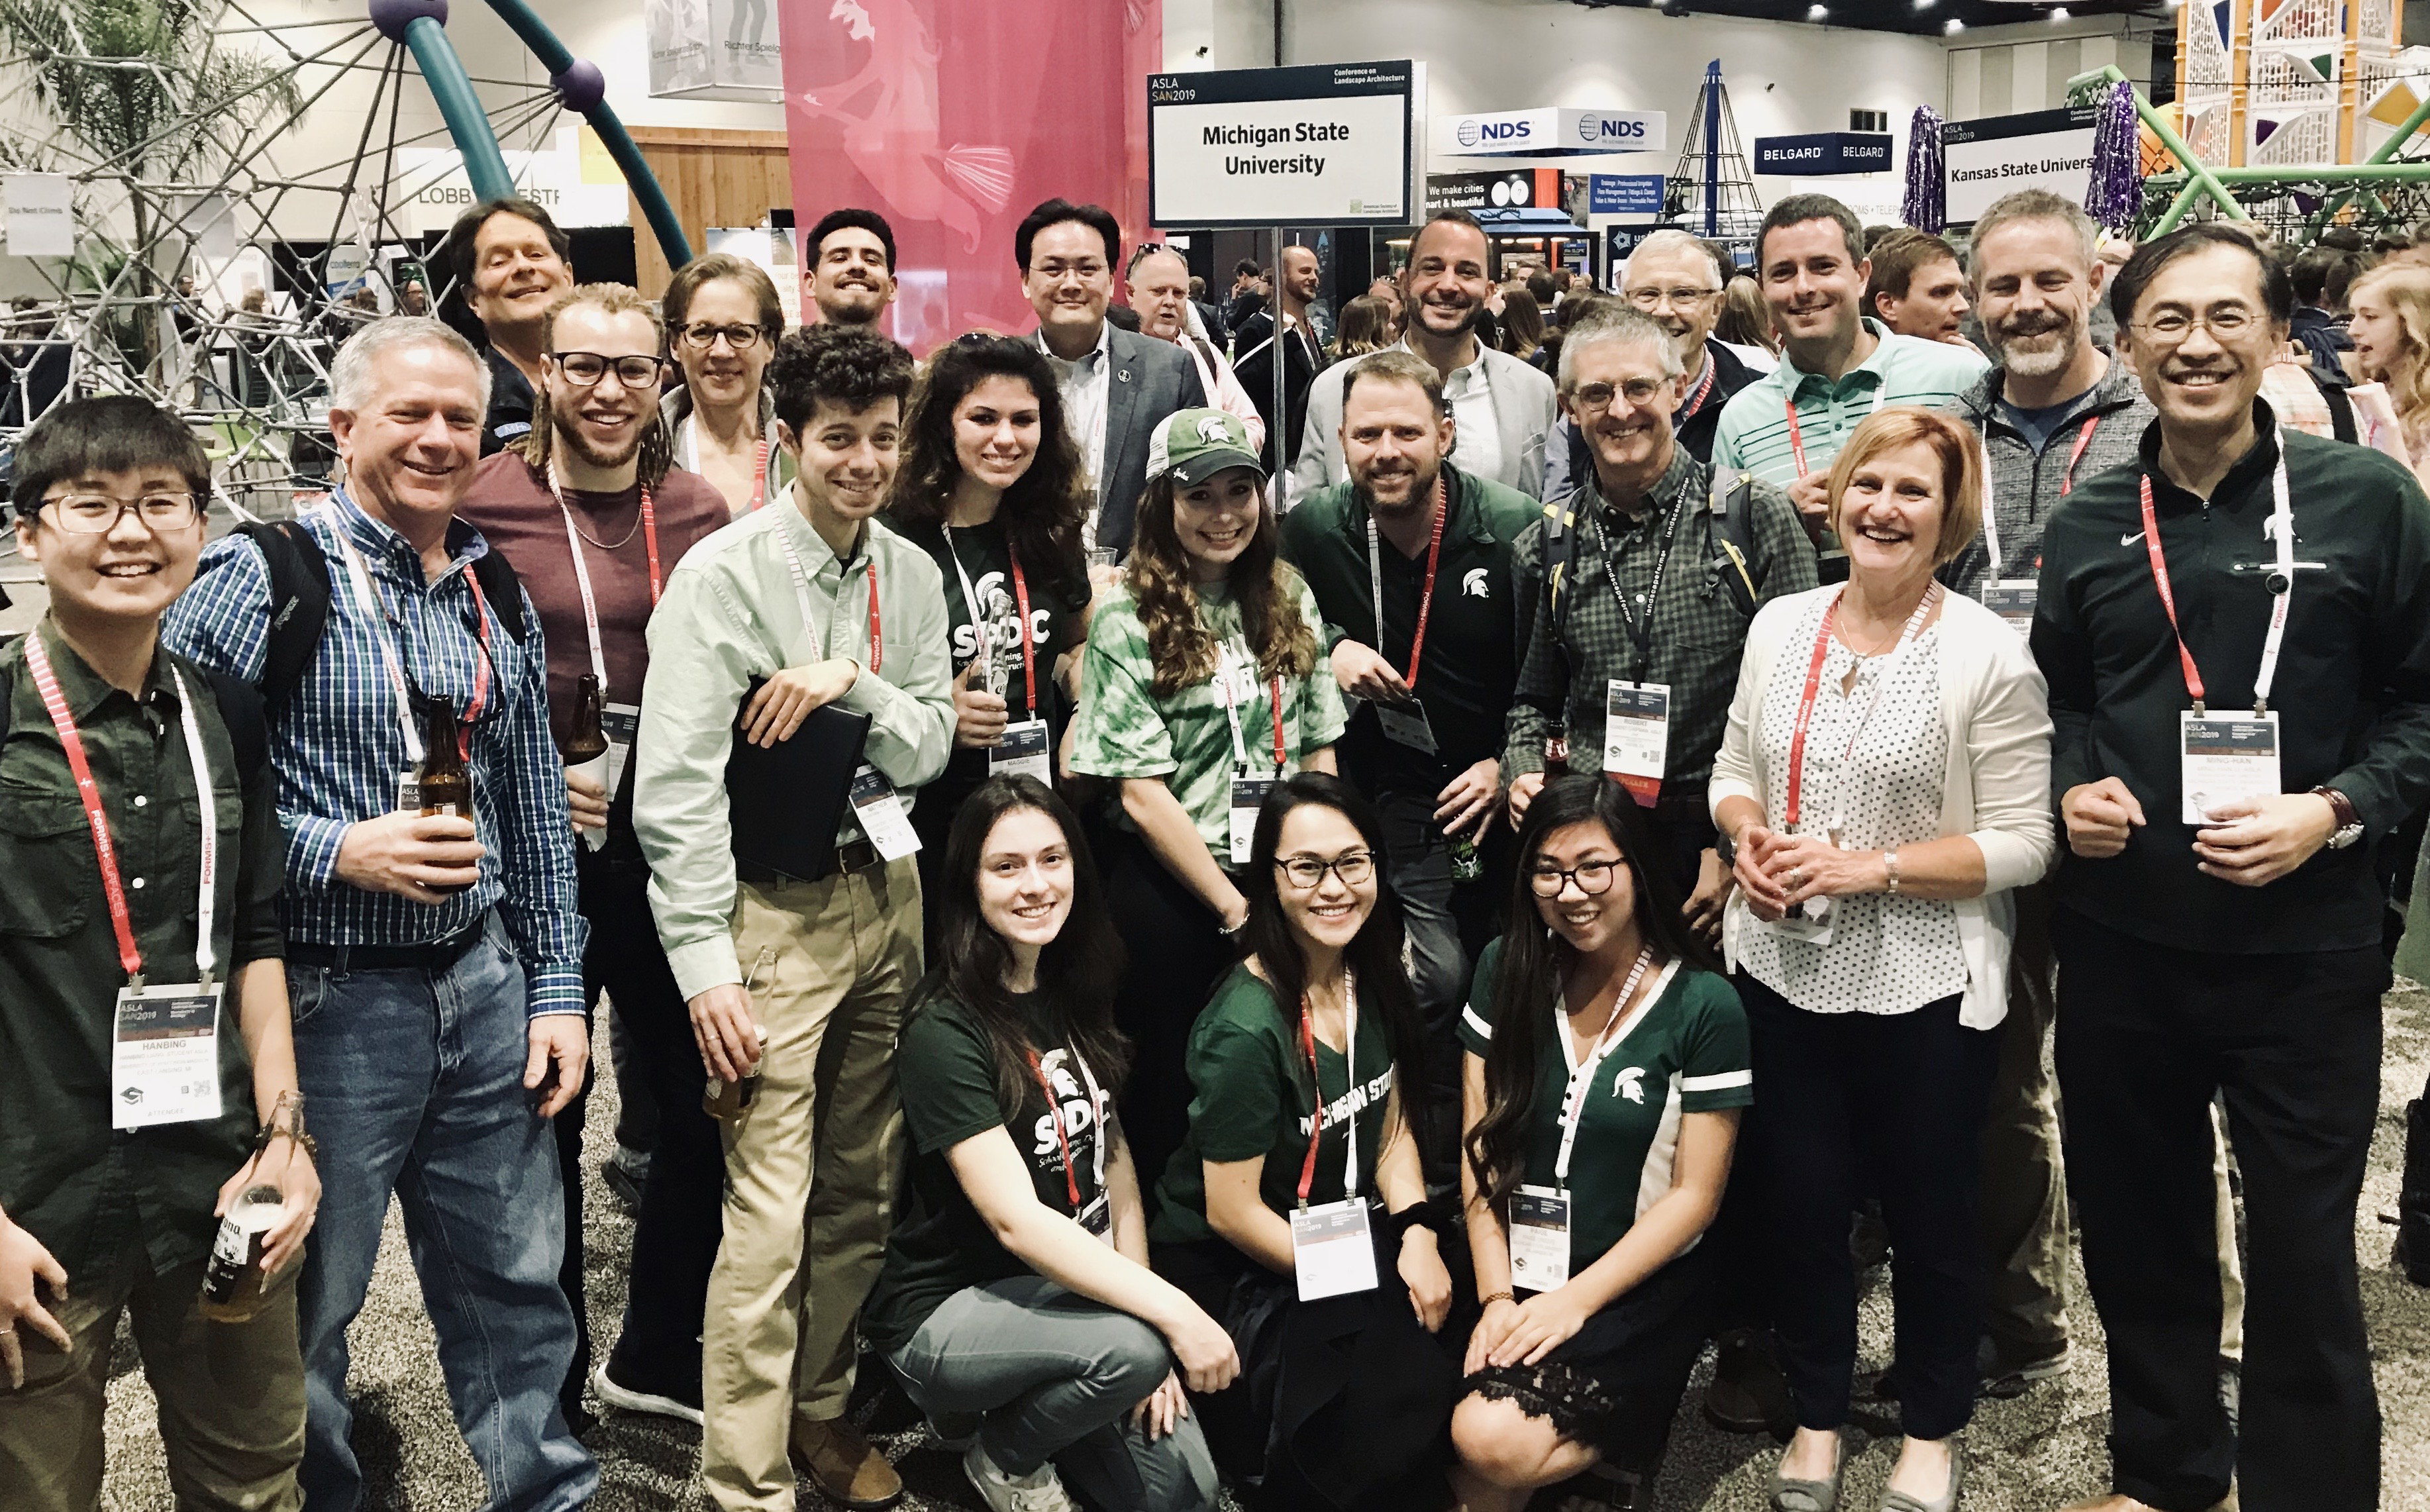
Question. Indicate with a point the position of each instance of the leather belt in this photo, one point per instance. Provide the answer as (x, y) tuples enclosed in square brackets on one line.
[(428, 955), (850, 855)]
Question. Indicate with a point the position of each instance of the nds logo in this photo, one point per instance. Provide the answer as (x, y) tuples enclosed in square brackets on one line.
[(1596, 128), (1474, 131)]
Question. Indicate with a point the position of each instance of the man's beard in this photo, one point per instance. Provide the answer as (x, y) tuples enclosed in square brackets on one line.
[(1420, 491), (1468, 319), (2036, 361), (579, 445)]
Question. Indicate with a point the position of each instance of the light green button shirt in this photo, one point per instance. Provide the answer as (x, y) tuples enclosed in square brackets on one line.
[(1126, 730), (1903, 370), (730, 613)]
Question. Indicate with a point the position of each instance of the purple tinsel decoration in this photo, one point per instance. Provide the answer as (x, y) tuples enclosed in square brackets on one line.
[(1926, 205), (2115, 195)]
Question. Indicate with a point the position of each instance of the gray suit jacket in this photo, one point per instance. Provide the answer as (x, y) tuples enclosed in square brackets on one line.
[(1525, 410), (1150, 380)]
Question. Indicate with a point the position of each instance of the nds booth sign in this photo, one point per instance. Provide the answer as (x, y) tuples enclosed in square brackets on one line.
[(1625, 194), (1328, 144), (1548, 133), (2041, 149), (1823, 153)]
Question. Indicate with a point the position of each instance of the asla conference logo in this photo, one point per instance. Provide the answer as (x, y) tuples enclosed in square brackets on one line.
[(1472, 583)]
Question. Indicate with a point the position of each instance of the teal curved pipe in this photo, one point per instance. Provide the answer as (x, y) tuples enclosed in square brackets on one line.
[(552, 56), (484, 165)]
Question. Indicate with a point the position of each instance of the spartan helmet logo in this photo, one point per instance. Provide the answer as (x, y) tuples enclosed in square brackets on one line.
[(1630, 1084), (1472, 583), (1214, 432)]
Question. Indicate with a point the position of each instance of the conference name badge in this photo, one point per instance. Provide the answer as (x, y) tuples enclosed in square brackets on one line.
[(1540, 1239), (2013, 603), (1248, 796), (1636, 737), (622, 724), (879, 809), (164, 1064), (1406, 724), (1333, 1250), (2225, 759), (1023, 752)]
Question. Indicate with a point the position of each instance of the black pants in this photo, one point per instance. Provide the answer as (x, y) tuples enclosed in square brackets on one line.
[(1898, 1097), (2146, 1035), (1176, 950), (676, 1237)]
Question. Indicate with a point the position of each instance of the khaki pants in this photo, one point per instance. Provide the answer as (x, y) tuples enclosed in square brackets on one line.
[(2025, 1180), (808, 1168), (231, 1395)]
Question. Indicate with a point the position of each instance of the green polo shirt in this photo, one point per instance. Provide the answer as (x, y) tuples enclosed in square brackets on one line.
[(1469, 665), (1903, 370), (65, 1175), (1687, 1054)]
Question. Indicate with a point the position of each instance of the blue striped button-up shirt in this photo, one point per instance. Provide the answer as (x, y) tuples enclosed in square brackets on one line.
[(339, 749)]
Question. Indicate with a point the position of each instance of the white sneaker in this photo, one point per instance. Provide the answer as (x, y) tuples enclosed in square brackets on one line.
[(1042, 1490)]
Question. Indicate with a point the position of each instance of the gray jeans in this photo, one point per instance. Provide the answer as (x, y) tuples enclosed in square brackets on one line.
[(1052, 1375), (1419, 859)]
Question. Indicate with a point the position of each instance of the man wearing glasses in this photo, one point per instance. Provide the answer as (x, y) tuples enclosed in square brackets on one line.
[(2236, 628), (434, 959), (114, 1172), (595, 476)]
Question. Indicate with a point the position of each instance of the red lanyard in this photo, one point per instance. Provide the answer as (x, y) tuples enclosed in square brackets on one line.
[(1796, 439), (1427, 597), (1705, 388), (1028, 652), (582, 571), (1054, 1116), (1316, 1079), (104, 850), (2076, 455), (758, 497), (1279, 757), (2167, 596), (876, 634), (1814, 686), (650, 542), (480, 667)]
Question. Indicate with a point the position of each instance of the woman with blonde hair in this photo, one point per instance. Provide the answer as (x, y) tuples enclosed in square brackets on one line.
[(1882, 787), (2390, 331)]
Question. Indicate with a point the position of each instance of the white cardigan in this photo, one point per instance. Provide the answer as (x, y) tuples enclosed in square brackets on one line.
[(1996, 788)]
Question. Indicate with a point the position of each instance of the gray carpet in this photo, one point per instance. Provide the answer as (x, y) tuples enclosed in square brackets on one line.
[(2030, 1455)]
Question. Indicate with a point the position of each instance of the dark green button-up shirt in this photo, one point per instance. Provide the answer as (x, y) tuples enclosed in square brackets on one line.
[(64, 1173)]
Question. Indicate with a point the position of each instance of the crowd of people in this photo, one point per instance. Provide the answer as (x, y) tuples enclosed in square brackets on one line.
[(1339, 990)]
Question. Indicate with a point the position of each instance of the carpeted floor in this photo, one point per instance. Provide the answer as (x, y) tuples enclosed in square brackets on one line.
[(2030, 1455)]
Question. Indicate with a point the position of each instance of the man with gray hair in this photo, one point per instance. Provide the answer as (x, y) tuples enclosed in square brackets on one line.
[(1639, 596), (434, 953)]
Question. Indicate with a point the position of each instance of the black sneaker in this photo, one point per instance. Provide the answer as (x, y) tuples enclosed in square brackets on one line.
[(1749, 1394), (2010, 1371), (625, 1185)]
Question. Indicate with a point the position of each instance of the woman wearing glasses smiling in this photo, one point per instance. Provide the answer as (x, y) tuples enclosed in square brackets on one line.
[(722, 321), (1311, 1239), (1607, 1068)]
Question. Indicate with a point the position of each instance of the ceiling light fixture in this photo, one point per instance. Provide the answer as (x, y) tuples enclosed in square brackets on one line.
[(2059, 13), (1818, 13), (1952, 26)]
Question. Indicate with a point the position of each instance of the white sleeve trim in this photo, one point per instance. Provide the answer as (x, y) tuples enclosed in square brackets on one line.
[(1484, 1030), (1717, 1082)]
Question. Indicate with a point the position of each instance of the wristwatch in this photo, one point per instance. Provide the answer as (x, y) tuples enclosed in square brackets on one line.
[(2349, 822)]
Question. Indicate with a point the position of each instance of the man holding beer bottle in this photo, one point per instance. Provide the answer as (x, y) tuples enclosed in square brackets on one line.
[(148, 1082), (435, 960)]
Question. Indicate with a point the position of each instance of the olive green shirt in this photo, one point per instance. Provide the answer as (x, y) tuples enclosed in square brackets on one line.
[(65, 1176)]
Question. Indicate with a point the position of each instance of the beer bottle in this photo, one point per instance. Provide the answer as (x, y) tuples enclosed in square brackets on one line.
[(585, 747), (446, 785), (233, 1280)]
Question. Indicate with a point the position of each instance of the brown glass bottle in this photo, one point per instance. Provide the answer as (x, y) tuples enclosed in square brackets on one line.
[(587, 741), (446, 785)]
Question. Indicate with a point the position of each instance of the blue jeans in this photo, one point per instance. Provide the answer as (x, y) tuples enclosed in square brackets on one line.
[(415, 1084)]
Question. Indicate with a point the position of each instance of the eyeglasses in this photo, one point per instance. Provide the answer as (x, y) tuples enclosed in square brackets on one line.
[(1675, 298), (2170, 326), (585, 369), (98, 514), (703, 337), (1593, 877), (1306, 872), (1595, 398)]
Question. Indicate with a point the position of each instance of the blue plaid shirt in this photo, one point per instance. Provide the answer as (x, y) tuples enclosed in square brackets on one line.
[(339, 751)]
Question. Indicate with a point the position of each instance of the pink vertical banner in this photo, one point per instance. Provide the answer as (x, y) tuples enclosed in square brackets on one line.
[(952, 118)]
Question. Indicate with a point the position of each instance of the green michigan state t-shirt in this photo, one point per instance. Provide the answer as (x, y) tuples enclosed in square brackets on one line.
[(1687, 1054), (1253, 1098), (941, 1245), (1126, 729)]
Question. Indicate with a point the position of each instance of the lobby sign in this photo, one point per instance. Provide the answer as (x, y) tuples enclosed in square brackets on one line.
[(2000, 155), (1326, 144), (1625, 194), (576, 187), (1550, 131), (1823, 153)]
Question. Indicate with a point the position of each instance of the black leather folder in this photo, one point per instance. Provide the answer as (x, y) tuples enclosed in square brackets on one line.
[(787, 801)]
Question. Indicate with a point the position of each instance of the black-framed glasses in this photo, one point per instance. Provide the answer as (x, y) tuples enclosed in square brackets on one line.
[(585, 369), (98, 514), (1594, 878), (703, 337), (1306, 872)]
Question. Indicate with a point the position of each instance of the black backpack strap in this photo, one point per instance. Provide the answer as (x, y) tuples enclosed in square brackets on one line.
[(2341, 418), (242, 710), (1732, 504), (299, 603), (504, 590)]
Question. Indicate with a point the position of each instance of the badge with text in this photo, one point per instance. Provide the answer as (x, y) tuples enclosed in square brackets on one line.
[(2014, 602), (2226, 759), (1248, 796), (1540, 1239), (1810, 923), (1406, 724), (1098, 1218), (1636, 737), (1333, 1250), (164, 1064), (622, 724), (1023, 752), (879, 809), (409, 792)]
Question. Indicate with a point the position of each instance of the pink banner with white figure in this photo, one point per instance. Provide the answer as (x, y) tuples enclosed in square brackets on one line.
[(952, 118)]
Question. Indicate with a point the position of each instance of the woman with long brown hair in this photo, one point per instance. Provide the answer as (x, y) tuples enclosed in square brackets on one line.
[(1204, 685)]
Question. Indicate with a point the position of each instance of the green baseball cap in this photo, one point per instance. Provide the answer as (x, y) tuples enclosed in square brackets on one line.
[(1195, 444)]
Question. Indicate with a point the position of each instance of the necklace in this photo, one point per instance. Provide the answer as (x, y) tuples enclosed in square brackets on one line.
[(586, 535)]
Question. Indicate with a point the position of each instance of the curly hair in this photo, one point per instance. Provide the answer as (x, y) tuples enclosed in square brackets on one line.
[(848, 365), (1179, 644), (1041, 509), (537, 445), (2404, 287)]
